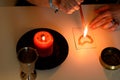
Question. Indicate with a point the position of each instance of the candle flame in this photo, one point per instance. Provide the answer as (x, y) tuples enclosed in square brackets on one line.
[(85, 31), (43, 38)]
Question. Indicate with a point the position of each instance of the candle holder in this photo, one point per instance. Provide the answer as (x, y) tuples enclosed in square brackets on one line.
[(82, 42), (110, 58), (60, 48)]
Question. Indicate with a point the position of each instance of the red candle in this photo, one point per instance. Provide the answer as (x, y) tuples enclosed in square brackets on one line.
[(43, 41)]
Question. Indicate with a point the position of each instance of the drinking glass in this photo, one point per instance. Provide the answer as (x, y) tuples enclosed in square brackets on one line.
[(27, 57)]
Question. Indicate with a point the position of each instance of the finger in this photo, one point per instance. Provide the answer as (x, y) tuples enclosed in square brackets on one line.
[(76, 7), (114, 27), (74, 4), (100, 17), (79, 1), (65, 7), (68, 6), (107, 25), (101, 22), (102, 9), (70, 11)]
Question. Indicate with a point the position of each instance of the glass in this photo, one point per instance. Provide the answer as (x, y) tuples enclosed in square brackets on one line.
[(27, 57)]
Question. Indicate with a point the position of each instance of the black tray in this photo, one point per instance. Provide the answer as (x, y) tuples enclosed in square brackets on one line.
[(60, 49)]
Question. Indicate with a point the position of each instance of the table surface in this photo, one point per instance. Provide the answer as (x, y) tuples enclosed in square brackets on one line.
[(80, 64)]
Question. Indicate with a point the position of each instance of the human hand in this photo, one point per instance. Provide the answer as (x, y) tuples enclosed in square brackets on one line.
[(68, 6), (108, 17)]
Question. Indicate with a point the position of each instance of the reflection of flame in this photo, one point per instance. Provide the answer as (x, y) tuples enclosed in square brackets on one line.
[(85, 31)]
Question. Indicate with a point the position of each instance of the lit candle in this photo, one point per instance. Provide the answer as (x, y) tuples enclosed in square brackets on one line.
[(83, 39), (43, 41)]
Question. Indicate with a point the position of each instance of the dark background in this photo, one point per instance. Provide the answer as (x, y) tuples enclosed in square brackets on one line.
[(25, 3)]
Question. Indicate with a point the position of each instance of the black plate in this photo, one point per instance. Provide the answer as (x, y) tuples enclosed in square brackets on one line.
[(111, 56), (60, 50)]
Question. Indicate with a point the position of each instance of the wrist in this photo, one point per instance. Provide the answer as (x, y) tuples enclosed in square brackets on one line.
[(53, 5)]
